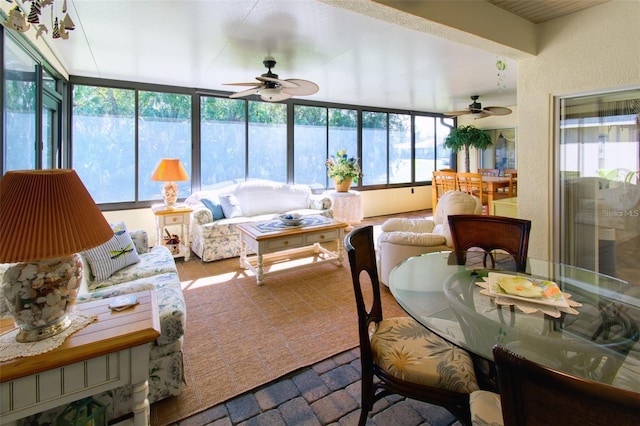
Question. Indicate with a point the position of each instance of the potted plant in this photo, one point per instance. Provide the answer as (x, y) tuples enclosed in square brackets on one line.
[(343, 170), (464, 137)]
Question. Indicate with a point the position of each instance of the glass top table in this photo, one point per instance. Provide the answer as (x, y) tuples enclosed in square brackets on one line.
[(599, 343)]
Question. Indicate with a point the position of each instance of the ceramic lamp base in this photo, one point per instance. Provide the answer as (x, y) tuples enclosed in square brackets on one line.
[(40, 295), (170, 194)]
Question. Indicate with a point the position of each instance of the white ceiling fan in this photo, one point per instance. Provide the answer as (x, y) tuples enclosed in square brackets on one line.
[(272, 89), (476, 110)]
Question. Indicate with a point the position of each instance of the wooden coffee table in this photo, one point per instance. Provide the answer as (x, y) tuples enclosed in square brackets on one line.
[(106, 354), (289, 240)]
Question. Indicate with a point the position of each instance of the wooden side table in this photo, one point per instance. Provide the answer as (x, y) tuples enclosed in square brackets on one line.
[(108, 353), (180, 215)]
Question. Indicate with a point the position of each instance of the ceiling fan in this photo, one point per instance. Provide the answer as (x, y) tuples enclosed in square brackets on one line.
[(476, 110), (272, 89)]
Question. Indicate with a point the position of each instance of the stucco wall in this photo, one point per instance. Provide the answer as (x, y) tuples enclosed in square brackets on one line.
[(591, 51)]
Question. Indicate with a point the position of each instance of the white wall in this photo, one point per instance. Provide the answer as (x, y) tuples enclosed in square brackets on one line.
[(593, 50)]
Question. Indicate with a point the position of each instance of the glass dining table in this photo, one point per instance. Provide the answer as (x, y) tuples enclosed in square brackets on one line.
[(597, 339)]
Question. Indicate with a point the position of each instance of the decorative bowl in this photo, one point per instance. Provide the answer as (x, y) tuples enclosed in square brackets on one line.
[(291, 219)]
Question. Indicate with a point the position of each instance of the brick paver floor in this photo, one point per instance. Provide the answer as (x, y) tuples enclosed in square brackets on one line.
[(326, 393)]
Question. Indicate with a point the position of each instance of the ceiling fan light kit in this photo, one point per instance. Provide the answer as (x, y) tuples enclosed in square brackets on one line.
[(273, 89), (476, 111)]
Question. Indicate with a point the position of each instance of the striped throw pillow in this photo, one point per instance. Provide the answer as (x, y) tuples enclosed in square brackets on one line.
[(113, 255)]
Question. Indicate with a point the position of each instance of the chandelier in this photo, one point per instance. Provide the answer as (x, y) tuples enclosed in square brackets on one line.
[(60, 22)]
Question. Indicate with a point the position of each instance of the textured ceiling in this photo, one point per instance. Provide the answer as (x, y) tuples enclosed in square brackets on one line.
[(538, 11)]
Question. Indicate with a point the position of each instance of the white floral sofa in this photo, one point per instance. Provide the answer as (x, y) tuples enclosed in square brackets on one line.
[(155, 270), (216, 212)]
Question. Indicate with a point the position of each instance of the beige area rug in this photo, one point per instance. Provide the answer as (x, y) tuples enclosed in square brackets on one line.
[(240, 336)]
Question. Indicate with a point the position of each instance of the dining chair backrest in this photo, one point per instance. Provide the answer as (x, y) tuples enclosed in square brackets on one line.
[(360, 250), (471, 183), (489, 172), (490, 233), (533, 394), (513, 181), (442, 182)]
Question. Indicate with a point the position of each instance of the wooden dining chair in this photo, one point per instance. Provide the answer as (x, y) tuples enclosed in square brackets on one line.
[(513, 181), (399, 355), (489, 172), (533, 394), (490, 234), (443, 181), (471, 183)]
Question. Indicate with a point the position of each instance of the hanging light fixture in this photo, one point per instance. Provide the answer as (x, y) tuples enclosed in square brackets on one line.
[(60, 23)]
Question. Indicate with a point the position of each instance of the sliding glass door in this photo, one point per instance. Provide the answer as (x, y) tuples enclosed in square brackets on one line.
[(598, 183)]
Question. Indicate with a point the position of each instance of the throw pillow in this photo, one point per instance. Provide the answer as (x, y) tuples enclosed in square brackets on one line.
[(230, 206), (214, 205), (113, 255)]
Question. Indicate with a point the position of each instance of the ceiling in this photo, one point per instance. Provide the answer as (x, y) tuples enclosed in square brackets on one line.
[(353, 57)]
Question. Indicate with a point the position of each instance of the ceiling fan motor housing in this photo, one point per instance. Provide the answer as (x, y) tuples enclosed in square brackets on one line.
[(270, 63), (475, 106)]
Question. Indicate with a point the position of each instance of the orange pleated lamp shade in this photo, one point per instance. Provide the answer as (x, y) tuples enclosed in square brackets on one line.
[(45, 214), (170, 169)]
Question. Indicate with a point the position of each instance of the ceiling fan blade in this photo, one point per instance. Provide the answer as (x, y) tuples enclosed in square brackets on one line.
[(275, 97), (305, 87), (255, 83), (282, 83), (457, 113), (493, 110), (246, 92)]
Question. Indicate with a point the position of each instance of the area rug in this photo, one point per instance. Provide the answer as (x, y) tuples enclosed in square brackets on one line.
[(240, 336)]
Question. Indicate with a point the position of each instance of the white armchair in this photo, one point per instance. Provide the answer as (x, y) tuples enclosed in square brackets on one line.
[(402, 238)]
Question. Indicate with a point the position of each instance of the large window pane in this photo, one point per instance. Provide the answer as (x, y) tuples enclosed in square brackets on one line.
[(374, 148), (310, 145), (424, 152), (343, 132), (443, 155), (223, 141), (268, 141), (599, 183), (103, 150), (399, 148), (19, 108), (164, 131)]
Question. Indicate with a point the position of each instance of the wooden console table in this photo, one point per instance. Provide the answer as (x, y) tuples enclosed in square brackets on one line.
[(106, 354)]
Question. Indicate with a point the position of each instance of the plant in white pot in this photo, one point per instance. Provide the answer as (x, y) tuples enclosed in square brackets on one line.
[(464, 137)]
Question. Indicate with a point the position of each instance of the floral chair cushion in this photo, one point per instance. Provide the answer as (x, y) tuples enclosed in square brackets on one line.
[(409, 351), (486, 409)]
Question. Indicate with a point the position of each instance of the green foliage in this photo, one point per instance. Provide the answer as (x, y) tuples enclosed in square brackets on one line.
[(342, 167), (463, 137)]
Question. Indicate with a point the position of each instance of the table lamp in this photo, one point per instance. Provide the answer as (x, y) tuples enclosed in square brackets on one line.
[(170, 170), (46, 218)]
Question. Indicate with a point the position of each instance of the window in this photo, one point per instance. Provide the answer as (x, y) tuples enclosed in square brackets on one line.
[(222, 140), (374, 148), (310, 146), (104, 142), (164, 131), (19, 139), (267, 141), (399, 148)]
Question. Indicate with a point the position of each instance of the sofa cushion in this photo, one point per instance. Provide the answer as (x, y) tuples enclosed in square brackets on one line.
[(113, 255), (213, 204), (230, 206), (258, 197), (157, 261)]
